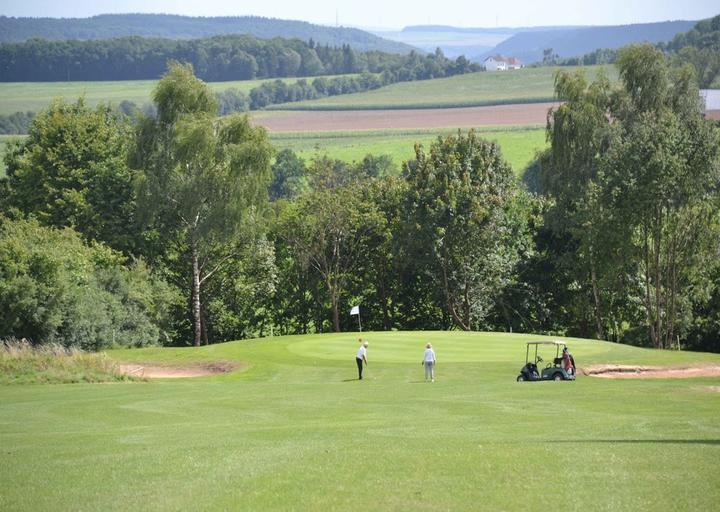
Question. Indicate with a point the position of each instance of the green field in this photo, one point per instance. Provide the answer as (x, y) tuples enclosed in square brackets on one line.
[(528, 85), (518, 145), (34, 96), (294, 430)]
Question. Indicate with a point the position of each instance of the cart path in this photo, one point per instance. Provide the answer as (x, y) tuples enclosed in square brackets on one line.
[(351, 120), (620, 371)]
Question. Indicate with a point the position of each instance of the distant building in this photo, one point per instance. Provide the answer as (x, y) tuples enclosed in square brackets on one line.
[(501, 63), (711, 102)]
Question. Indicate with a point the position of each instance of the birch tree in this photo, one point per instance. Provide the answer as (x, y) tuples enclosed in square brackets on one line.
[(204, 178)]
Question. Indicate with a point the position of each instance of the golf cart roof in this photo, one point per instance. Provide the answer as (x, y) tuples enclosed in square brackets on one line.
[(556, 343)]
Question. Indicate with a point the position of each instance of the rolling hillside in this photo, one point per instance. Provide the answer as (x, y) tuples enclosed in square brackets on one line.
[(109, 26), (531, 85), (529, 46)]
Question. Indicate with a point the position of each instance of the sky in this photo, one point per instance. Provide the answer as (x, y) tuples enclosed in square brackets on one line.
[(391, 14)]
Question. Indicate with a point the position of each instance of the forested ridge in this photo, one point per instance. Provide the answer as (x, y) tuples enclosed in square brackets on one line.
[(111, 26), (185, 228), (220, 58), (699, 47)]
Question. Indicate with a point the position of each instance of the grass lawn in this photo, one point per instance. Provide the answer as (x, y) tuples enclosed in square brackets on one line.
[(519, 145), (294, 430), (34, 96), (528, 85)]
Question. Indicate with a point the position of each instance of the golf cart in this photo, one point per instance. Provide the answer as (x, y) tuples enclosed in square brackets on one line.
[(552, 371)]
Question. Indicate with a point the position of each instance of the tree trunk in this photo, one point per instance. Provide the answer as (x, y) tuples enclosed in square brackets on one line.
[(648, 299), (197, 318), (596, 299), (203, 318), (336, 312), (448, 299), (658, 290)]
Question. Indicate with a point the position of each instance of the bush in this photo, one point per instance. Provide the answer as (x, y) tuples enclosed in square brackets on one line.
[(56, 289)]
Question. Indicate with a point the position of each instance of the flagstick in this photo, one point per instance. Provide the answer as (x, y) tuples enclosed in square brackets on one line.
[(359, 322)]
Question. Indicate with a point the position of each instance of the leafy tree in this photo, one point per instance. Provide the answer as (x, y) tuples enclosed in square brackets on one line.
[(327, 231), (204, 179), (579, 133), (71, 171), (633, 173), (289, 178), (458, 200), (662, 175)]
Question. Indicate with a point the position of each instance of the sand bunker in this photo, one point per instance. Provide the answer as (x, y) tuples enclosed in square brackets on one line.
[(619, 371), (151, 371)]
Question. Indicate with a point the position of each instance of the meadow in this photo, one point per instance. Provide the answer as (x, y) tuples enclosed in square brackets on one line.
[(34, 96), (519, 144), (295, 430), (528, 85)]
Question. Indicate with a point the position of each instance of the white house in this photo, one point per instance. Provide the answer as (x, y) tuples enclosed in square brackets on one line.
[(501, 63)]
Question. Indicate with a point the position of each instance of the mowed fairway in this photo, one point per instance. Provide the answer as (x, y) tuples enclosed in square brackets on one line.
[(529, 85), (518, 145), (294, 430)]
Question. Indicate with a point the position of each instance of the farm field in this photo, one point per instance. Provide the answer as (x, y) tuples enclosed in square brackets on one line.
[(528, 85), (518, 144), (294, 430), (34, 96), (352, 120)]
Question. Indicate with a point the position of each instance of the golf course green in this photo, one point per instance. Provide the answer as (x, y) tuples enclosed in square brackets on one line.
[(292, 429)]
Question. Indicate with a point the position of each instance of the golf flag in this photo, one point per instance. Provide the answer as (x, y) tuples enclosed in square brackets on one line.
[(355, 310)]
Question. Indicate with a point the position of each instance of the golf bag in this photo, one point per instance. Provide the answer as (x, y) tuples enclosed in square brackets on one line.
[(530, 372)]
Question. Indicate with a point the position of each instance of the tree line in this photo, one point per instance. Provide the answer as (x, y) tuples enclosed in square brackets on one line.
[(220, 58), (186, 228)]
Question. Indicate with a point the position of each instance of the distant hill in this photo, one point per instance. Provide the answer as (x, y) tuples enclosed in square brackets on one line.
[(529, 46), (108, 26)]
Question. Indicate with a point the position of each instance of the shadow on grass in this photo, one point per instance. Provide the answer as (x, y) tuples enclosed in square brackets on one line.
[(639, 441)]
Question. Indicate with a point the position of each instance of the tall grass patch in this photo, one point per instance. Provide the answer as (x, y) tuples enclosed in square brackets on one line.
[(23, 363)]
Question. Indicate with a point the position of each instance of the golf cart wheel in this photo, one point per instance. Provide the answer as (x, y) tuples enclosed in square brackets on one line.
[(558, 376), (520, 378)]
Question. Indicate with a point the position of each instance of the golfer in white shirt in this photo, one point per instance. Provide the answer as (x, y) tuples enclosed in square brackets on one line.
[(361, 357), (429, 363)]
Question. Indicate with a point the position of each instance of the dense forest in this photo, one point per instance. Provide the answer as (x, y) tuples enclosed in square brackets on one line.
[(700, 47), (112, 26), (188, 228), (221, 58)]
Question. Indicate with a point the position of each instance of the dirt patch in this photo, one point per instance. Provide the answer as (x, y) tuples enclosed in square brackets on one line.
[(619, 371), (713, 114), (350, 120), (151, 371)]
